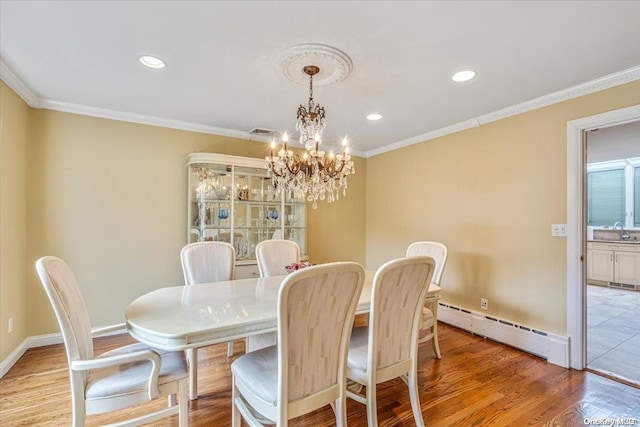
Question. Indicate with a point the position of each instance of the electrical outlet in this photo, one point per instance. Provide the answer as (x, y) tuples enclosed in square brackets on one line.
[(484, 303), (10, 324), (559, 230)]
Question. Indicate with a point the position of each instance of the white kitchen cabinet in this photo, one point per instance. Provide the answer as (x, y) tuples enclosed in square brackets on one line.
[(614, 262), (600, 265), (627, 267)]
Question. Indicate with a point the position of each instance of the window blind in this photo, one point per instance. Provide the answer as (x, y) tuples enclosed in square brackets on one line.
[(606, 197)]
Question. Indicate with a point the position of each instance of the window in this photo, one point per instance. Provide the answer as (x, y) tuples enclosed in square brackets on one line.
[(606, 197), (613, 193)]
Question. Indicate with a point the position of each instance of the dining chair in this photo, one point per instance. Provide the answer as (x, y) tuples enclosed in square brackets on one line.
[(205, 262), (387, 347), (119, 378), (438, 252), (274, 255), (306, 369)]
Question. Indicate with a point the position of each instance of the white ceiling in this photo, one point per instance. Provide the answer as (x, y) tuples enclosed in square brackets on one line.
[(82, 56)]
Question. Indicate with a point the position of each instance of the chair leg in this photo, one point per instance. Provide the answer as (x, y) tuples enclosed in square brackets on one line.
[(78, 417), (235, 414), (372, 408), (192, 358), (78, 406), (230, 349), (436, 345), (183, 402), (414, 396), (340, 409)]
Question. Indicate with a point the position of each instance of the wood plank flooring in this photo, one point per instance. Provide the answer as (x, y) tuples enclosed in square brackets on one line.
[(476, 383)]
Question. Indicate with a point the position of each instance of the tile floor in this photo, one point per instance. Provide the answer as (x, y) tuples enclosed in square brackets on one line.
[(613, 332)]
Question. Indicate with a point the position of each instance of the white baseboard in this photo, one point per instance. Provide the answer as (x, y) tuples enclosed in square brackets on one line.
[(13, 357), (34, 342), (554, 348)]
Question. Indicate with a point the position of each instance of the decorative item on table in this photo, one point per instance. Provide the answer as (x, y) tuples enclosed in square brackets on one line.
[(297, 266)]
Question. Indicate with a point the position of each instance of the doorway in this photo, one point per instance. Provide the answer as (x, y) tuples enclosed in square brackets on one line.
[(612, 208), (576, 225)]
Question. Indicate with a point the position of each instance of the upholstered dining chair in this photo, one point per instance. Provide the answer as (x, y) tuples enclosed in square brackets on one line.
[(118, 378), (274, 255), (204, 262), (306, 369), (438, 252), (387, 347)]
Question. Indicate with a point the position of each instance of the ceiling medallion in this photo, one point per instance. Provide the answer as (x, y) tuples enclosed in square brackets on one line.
[(334, 64)]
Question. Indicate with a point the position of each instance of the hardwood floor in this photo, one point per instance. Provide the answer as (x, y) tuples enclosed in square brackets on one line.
[(476, 383)]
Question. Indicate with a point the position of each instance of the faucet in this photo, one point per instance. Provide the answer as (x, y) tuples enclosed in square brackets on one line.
[(623, 235)]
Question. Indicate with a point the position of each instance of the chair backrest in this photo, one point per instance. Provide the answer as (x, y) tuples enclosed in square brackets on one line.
[(398, 292), (316, 309), (69, 307), (204, 262), (435, 250), (274, 255)]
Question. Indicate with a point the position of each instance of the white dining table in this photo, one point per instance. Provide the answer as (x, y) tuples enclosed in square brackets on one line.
[(182, 317)]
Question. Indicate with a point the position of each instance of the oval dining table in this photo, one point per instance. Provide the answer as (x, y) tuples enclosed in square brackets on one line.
[(182, 317)]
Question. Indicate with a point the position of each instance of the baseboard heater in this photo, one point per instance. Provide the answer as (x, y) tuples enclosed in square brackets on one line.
[(554, 348)]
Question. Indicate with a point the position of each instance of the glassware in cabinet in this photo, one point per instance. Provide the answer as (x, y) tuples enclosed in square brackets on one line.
[(233, 199)]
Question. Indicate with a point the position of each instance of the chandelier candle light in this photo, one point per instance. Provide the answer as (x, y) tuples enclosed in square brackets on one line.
[(316, 174)]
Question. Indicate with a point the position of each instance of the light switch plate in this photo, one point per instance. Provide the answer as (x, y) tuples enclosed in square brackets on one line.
[(559, 230)]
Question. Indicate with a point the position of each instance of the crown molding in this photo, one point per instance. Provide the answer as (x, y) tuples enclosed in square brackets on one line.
[(469, 124), (142, 119), (606, 82), (596, 85), (14, 82)]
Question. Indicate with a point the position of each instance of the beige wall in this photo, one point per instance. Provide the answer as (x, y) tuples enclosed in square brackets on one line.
[(14, 137), (109, 198), (336, 230), (490, 194)]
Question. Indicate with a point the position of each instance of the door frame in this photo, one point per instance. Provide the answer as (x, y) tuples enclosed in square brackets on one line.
[(576, 224)]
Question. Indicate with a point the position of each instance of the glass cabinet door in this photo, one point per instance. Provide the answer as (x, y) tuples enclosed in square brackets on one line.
[(256, 210), (232, 199), (209, 202), (295, 223)]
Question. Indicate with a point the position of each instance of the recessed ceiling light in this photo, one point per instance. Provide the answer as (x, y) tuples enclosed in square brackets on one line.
[(152, 62), (374, 116), (463, 76)]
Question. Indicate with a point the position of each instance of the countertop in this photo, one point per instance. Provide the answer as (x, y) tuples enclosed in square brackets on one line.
[(624, 242)]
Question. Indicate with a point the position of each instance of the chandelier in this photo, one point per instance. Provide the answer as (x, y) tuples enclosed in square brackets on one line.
[(316, 174)]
